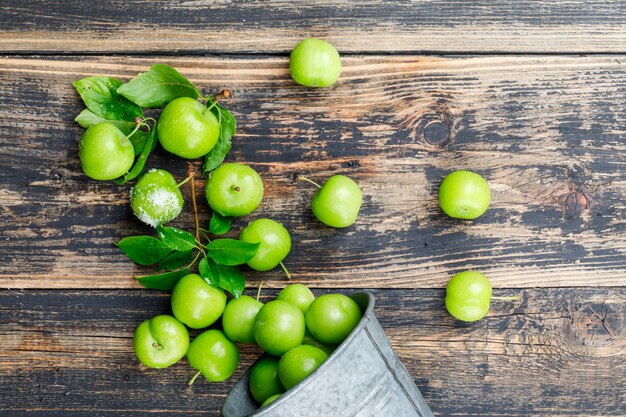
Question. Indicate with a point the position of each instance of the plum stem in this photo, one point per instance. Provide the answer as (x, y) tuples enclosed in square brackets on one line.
[(190, 175), (301, 178), (258, 292), (182, 182), (235, 188), (193, 378), (514, 298), (287, 274)]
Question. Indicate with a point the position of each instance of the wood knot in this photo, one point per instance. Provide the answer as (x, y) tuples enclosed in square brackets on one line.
[(575, 203), (596, 327), (437, 133)]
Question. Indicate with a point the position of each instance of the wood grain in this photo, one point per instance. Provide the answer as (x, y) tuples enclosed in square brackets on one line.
[(556, 352), (546, 132), (457, 26)]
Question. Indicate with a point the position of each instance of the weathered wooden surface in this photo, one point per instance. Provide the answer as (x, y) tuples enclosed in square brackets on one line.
[(547, 133), (158, 26), (556, 352)]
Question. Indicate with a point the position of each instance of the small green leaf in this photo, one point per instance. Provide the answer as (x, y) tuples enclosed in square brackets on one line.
[(87, 118), (160, 85), (175, 260), (228, 127), (232, 280), (140, 163), (209, 271), (101, 97), (176, 239), (144, 250), (166, 281), (231, 251), (219, 224)]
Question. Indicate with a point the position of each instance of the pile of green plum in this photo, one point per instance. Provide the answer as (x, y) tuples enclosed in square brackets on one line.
[(296, 330)]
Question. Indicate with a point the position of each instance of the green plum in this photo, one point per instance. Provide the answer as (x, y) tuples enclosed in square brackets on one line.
[(468, 296), (298, 363), (234, 190), (238, 318), (278, 327), (298, 295), (105, 152), (197, 303), (464, 195), (212, 354), (160, 341), (187, 128), (274, 240), (315, 63), (328, 348), (270, 400), (331, 317), (156, 198), (264, 381), (337, 202)]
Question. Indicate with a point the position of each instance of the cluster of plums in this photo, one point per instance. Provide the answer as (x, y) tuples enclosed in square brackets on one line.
[(296, 330)]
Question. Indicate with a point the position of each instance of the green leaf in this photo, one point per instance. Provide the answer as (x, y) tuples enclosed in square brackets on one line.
[(232, 280), (87, 118), (176, 239), (219, 224), (231, 251), (175, 260), (228, 127), (140, 163), (209, 271), (166, 281), (160, 85), (101, 97), (144, 250)]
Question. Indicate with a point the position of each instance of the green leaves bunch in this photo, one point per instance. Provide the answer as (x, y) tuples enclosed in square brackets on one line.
[(122, 104), (173, 251)]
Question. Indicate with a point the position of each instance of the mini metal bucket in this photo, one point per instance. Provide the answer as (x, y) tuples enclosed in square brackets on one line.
[(362, 378)]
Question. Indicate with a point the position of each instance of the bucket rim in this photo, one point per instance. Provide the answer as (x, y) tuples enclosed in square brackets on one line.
[(366, 318)]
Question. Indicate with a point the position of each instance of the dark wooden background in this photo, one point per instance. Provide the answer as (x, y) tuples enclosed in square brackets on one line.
[(530, 94)]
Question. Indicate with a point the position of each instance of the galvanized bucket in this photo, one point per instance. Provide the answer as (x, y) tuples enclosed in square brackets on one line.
[(362, 378)]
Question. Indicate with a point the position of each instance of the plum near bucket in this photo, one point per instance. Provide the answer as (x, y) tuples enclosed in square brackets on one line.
[(362, 378)]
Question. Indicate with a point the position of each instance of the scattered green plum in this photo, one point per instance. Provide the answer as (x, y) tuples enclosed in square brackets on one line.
[(298, 295), (105, 152), (278, 327), (187, 128), (156, 198), (160, 341), (197, 303), (298, 363), (468, 296), (238, 318), (331, 317), (315, 63), (275, 243), (212, 354), (264, 382), (234, 190), (464, 195), (337, 202), (270, 400)]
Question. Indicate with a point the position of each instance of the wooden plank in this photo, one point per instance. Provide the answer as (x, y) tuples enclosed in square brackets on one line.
[(547, 132), (69, 353), (459, 26)]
